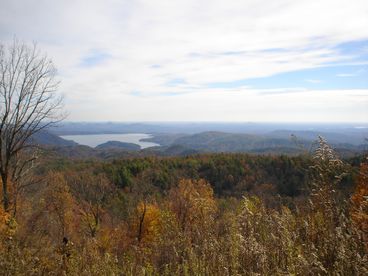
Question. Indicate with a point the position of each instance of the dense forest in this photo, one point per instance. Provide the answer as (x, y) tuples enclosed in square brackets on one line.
[(205, 214)]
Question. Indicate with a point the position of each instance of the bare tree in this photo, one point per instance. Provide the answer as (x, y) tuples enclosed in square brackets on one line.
[(28, 104)]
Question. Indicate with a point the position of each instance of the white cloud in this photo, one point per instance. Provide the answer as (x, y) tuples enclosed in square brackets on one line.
[(151, 43), (345, 75), (232, 105), (313, 81), (354, 74)]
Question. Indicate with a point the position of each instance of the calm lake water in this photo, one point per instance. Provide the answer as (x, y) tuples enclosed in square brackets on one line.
[(94, 140)]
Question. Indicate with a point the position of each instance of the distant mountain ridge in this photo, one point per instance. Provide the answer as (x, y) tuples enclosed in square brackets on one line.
[(46, 138), (277, 142), (335, 138), (280, 143), (214, 141), (190, 128)]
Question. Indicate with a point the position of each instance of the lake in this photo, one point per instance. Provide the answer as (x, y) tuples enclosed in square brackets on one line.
[(94, 140)]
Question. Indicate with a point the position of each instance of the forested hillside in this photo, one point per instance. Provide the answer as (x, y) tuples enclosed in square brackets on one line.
[(212, 214), (276, 142)]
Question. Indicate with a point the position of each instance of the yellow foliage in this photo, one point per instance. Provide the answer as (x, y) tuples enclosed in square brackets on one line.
[(146, 222), (59, 204), (7, 224), (193, 202)]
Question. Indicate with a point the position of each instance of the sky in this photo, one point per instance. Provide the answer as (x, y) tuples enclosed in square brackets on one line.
[(201, 60)]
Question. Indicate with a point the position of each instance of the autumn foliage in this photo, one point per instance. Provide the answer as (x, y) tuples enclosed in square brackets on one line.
[(359, 208), (202, 215)]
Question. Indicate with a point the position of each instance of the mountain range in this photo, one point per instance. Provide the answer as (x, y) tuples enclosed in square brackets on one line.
[(275, 142)]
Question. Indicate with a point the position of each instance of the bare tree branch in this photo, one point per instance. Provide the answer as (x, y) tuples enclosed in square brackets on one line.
[(28, 104)]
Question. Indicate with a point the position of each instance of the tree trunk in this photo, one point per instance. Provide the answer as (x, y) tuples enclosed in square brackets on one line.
[(6, 203), (140, 230)]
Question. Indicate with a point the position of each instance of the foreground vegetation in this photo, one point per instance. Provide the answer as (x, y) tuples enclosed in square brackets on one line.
[(222, 214)]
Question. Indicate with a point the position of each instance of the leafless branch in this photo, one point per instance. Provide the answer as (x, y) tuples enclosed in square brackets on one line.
[(28, 105)]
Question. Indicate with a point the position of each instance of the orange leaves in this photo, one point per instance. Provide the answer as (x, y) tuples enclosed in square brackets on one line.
[(59, 204), (359, 200), (192, 202), (7, 223)]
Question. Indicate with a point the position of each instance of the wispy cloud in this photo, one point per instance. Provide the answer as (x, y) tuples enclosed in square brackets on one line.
[(353, 74), (281, 91), (314, 81), (344, 75)]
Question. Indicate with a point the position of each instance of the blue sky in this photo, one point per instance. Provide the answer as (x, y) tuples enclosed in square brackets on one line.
[(210, 60), (96, 57), (324, 77), (351, 72)]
